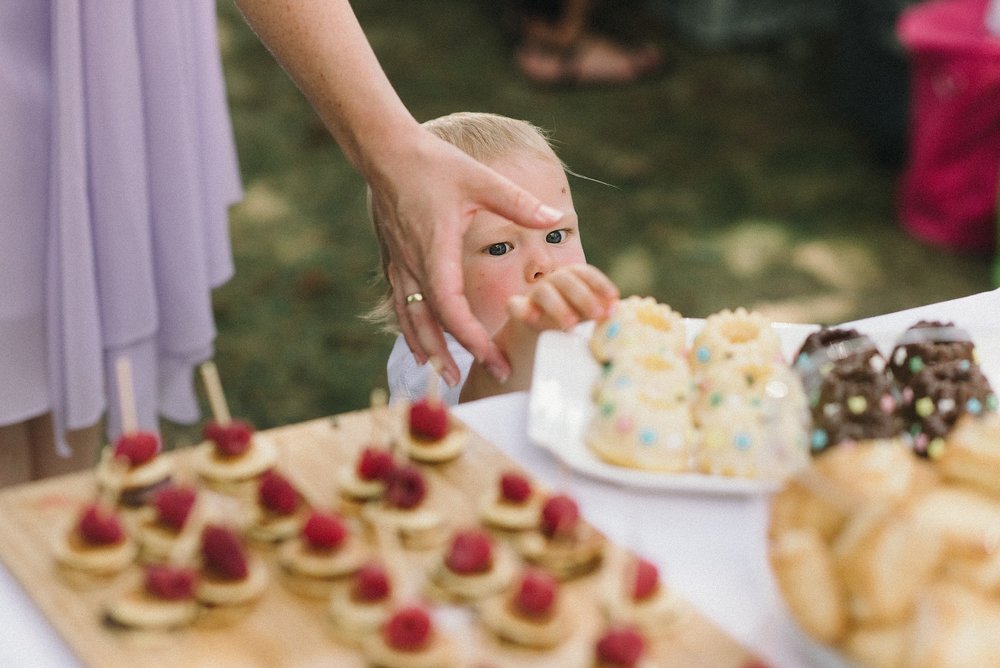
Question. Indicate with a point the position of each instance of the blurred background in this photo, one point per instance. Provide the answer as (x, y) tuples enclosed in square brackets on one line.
[(760, 168)]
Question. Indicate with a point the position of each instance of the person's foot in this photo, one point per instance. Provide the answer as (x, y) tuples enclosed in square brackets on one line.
[(591, 60)]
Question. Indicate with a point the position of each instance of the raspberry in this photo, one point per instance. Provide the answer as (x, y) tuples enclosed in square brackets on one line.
[(324, 531), (171, 583), (406, 488), (559, 515), (471, 552), (408, 629), (647, 579), (621, 647), (173, 505), (232, 439), (428, 419), (100, 526), (371, 584), (223, 552), (375, 464), (514, 487), (536, 593), (138, 447), (277, 494)]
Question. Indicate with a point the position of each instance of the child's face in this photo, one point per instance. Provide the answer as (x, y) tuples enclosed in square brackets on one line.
[(502, 259)]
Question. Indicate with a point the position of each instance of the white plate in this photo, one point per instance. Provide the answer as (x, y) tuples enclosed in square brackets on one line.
[(560, 407)]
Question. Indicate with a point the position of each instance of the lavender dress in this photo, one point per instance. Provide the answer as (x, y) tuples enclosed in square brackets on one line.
[(117, 166)]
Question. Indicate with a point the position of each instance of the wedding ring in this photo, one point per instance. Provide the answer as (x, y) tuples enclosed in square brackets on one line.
[(414, 298)]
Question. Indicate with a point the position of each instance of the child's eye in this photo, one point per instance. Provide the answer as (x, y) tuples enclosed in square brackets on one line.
[(556, 236), (498, 249)]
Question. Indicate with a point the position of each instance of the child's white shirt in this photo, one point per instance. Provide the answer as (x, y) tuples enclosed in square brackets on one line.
[(408, 380)]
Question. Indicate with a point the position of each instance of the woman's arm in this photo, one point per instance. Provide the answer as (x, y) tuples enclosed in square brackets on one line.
[(425, 190)]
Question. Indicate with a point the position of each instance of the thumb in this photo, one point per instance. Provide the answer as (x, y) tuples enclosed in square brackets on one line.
[(505, 198)]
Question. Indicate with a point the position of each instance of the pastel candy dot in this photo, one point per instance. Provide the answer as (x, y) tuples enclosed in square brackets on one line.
[(675, 441), (991, 402), (887, 403), (907, 394), (857, 404), (703, 354), (647, 436), (613, 329), (607, 409), (974, 406), (715, 398), (877, 363), (742, 441), (831, 410), (819, 439), (965, 365), (916, 364), (713, 439), (924, 406), (946, 405), (813, 397), (900, 356), (935, 448), (920, 442), (624, 424)]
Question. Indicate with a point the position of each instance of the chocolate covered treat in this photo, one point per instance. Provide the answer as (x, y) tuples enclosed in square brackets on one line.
[(937, 396), (851, 397), (927, 343)]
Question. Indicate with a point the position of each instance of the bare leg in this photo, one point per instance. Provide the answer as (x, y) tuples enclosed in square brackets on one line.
[(85, 443), (567, 51), (15, 454)]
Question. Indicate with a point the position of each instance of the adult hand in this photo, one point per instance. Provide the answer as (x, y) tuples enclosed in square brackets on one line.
[(425, 190), (425, 200)]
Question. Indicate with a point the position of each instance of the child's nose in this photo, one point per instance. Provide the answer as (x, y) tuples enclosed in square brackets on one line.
[(541, 264)]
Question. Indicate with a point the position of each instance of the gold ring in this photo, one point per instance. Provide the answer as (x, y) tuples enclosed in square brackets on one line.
[(414, 298)]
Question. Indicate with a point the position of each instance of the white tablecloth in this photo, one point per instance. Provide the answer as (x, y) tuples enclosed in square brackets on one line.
[(711, 548)]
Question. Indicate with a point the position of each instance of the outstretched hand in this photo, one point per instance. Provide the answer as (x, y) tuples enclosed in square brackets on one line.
[(425, 201)]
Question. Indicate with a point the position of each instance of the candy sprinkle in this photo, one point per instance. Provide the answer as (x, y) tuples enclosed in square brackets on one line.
[(819, 439), (924, 406), (935, 448)]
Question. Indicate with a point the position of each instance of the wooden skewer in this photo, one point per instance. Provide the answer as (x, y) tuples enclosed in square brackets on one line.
[(216, 397), (126, 396)]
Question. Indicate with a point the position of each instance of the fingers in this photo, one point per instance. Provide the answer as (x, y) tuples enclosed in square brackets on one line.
[(567, 297), (457, 317), (505, 198)]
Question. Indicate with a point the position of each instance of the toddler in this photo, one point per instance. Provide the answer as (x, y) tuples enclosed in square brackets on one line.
[(519, 281)]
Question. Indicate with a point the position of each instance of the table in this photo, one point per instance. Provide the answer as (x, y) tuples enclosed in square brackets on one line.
[(711, 548)]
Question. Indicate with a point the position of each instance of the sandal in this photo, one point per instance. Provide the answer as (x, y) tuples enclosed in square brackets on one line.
[(589, 61)]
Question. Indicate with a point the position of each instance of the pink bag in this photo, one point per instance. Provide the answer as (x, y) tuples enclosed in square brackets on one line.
[(948, 194)]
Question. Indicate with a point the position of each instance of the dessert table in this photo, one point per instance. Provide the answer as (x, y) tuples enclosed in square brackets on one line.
[(710, 547)]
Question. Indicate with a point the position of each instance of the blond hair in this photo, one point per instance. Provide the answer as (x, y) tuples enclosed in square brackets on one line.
[(485, 138)]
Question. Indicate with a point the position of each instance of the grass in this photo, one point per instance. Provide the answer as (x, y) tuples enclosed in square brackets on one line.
[(732, 180)]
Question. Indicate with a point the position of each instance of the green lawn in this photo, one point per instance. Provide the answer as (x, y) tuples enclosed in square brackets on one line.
[(729, 181)]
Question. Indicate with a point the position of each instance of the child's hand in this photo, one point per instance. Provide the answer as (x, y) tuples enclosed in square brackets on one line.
[(564, 298)]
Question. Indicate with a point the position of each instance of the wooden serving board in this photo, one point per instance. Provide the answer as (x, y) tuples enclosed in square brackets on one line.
[(285, 629)]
